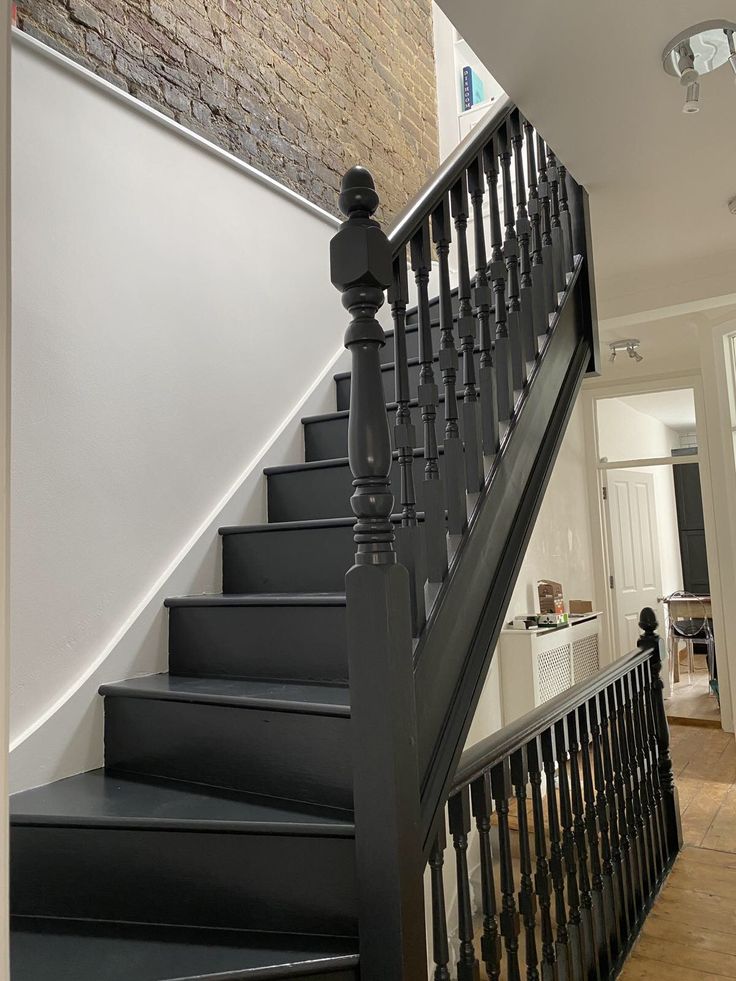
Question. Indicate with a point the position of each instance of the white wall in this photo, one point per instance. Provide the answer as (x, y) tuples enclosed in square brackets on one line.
[(171, 315), (624, 433), (4, 461)]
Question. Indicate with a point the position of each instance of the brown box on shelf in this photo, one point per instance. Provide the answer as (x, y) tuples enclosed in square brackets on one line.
[(550, 596), (578, 607)]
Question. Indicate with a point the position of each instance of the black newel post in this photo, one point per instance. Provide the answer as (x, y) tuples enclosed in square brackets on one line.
[(389, 863), (651, 641)]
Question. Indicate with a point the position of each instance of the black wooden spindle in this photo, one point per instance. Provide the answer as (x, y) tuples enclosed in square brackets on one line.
[(646, 677), (588, 927), (527, 897), (631, 791), (453, 465), (645, 813), (523, 231), (458, 810), (482, 302), (490, 944), (650, 641), (548, 252), (567, 939), (409, 542), (440, 945), (428, 398), (466, 332), (542, 877), (497, 271), (558, 244), (618, 858), (612, 897), (539, 287), (511, 256), (383, 716), (624, 813), (509, 918), (565, 219), (601, 924), (579, 946)]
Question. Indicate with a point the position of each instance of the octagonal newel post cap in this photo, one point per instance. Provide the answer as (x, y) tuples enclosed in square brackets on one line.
[(648, 622)]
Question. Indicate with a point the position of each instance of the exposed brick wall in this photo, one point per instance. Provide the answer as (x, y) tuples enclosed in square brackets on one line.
[(300, 88)]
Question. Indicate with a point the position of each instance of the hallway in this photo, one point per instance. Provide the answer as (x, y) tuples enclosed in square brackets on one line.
[(690, 935)]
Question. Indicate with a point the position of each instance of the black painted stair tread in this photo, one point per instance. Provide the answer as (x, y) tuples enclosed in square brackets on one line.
[(256, 599), (343, 461), (49, 949), (99, 799), (276, 696)]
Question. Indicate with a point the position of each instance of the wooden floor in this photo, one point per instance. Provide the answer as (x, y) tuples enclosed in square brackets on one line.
[(690, 935), (692, 701)]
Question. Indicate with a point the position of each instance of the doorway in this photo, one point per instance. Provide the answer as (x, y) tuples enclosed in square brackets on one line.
[(656, 551)]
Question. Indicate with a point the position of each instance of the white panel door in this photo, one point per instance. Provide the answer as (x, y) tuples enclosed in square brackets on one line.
[(635, 563)]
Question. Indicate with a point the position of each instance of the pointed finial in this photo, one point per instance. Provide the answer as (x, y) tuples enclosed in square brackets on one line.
[(358, 197)]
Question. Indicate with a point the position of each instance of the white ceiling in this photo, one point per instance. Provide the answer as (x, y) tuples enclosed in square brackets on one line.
[(590, 76), (675, 409)]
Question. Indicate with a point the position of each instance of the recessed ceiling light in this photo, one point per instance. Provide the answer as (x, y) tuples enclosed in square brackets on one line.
[(697, 51)]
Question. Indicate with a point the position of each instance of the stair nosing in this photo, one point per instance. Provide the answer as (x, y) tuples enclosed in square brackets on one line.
[(214, 600), (344, 413), (135, 688), (306, 524), (333, 463)]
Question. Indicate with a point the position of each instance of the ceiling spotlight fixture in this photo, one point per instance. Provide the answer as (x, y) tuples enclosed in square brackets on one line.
[(732, 206), (697, 51), (629, 344)]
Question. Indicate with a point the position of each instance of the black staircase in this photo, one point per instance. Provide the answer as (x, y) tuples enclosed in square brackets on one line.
[(268, 807)]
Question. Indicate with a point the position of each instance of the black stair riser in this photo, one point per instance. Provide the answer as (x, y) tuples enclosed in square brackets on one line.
[(288, 560), (299, 755), (342, 382), (324, 492), (289, 642), (255, 882)]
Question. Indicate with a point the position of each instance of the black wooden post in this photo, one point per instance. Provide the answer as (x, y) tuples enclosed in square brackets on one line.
[(383, 718), (651, 641)]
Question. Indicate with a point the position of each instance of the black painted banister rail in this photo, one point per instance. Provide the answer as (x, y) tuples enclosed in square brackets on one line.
[(576, 884), (485, 375)]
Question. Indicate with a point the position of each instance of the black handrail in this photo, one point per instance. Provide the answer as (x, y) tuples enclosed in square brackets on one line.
[(485, 754), (408, 221)]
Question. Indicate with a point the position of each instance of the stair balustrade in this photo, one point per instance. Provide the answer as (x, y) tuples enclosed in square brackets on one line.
[(426, 596)]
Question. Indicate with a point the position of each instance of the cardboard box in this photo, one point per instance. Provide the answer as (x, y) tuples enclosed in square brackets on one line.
[(577, 607), (551, 599)]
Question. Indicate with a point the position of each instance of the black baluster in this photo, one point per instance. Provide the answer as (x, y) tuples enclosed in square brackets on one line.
[(575, 920), (650, 641), (509, 918), (428, 398), (644, 813), (554, 214), (618, 857), (482, 301), (453, 466), (624, 811), (458, 810), (497, 272), (542, 877), (548, 252), (568, 938), (511, 255), (440, 946), (523, 230), (466, 331), (539, 286), (611, 897), (602, 919), (409, 542), (383, 724), (490, 944), (527, 898), (589, 937), (633, 811), (654, 769), (565, 219)]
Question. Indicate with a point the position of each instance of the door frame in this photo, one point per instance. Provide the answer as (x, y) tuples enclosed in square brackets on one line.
[(595, 391)]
